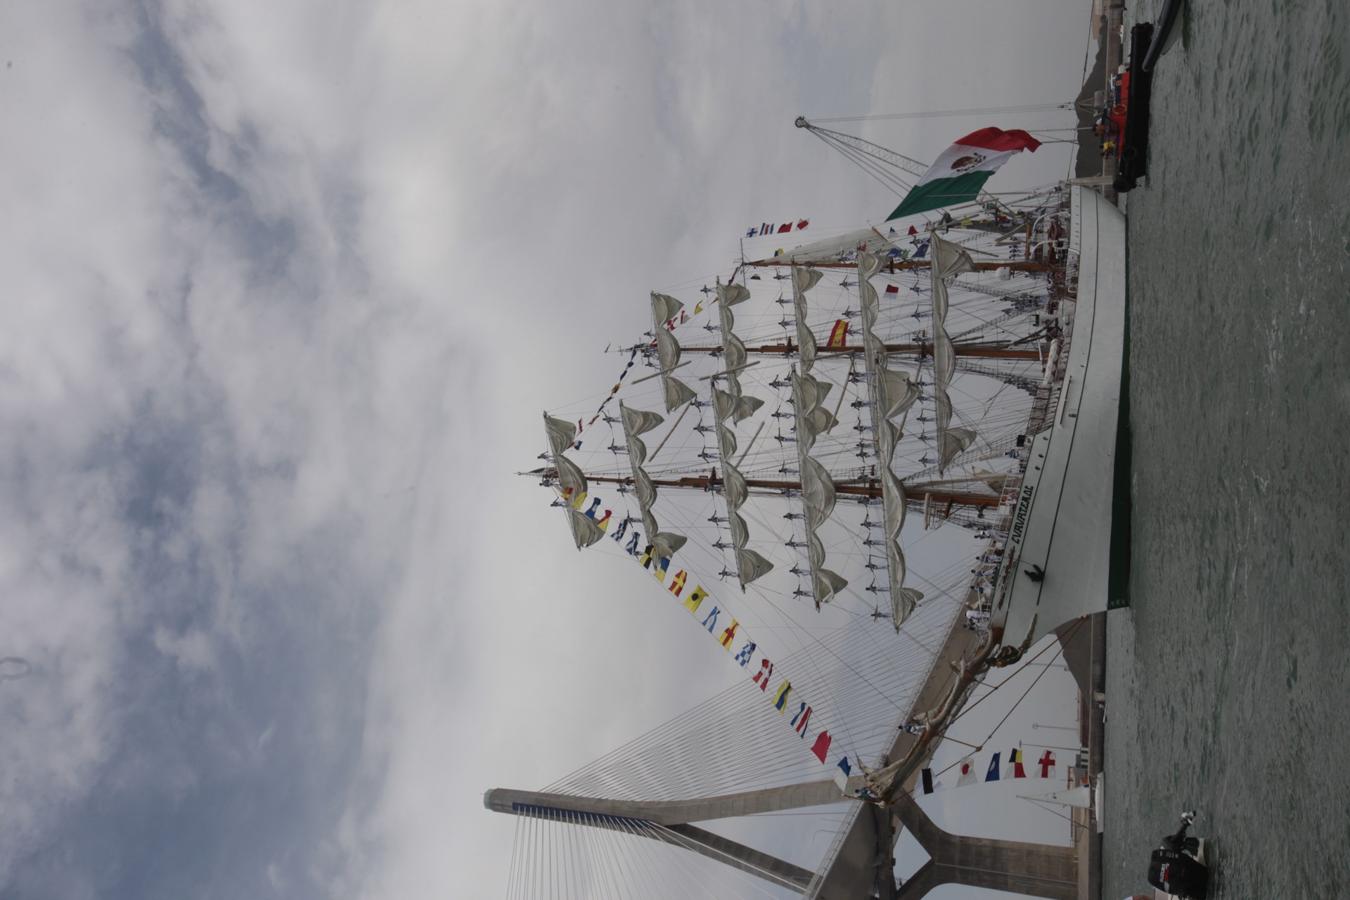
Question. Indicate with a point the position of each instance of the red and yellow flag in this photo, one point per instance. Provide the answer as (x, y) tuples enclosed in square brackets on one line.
[(838, 335), (677, 583)]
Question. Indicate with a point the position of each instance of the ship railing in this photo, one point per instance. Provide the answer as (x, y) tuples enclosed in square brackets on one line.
[(1046, 400)]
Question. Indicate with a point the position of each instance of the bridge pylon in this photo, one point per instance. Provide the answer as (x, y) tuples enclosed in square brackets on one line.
[(1041, 870)]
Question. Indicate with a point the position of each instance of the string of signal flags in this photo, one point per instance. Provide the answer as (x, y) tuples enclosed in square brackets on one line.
[(723, 626), (714, 617), (769, 228), (967, 772), (714, 613)]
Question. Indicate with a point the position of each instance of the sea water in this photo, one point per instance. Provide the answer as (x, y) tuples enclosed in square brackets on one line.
[(1228, 680)]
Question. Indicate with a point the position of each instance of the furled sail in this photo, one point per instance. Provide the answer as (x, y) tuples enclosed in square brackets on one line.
[(818, 490), (571, 481), (726, 442), (731, 405), (825, 583), (665, 307), (735, 354), (561, 434), (666, 544), (896, 394), (585, 531), (733, 351), (737, 491), (677, 393), (751, 565), (802, 281), (903, 599), (813, 418), (637, 422), (949, 260), (570, 478), (667, 350), (893, 393)]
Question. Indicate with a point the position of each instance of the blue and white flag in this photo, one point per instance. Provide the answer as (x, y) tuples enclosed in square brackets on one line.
[(844, 771)]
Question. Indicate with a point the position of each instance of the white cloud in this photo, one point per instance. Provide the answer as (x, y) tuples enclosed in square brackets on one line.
[(290, 283), (206, 416), (192, 650)]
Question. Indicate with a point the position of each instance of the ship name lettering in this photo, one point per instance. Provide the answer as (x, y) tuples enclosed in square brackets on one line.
[(1020, 524)]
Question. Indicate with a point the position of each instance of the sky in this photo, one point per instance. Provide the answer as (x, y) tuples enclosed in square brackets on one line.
[(287, 286)]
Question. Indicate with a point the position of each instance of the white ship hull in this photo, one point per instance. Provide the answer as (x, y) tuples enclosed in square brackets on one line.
[(1062, 522)]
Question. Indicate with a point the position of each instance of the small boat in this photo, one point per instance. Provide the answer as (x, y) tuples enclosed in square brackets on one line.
[(1134, 138), (1147, 43), (1162, 30), (1178, 868)]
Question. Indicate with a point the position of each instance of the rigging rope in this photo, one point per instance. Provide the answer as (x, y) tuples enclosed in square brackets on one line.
[(1004, 682), (946, 113), (870, 165)]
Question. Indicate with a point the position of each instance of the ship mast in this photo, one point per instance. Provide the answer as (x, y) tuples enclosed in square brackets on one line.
[(870, 488), (899, 265), (921, 349), (884, 395)]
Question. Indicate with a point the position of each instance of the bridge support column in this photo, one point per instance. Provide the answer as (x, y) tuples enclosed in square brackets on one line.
[(669, 821), (1041, 870)]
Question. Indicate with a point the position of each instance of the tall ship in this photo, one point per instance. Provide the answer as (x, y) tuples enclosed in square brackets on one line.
[(897, 440)]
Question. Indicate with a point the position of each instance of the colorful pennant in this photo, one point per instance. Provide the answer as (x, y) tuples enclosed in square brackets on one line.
[(600, 410), (720, 623), (995, 772), (768, 228)]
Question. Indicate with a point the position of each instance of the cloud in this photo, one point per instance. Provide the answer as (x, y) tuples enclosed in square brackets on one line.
[(289, 285), (203, 508), (191, 650)]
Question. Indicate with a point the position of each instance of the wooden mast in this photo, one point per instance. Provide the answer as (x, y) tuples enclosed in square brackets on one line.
[(866, 488), (922, 348), (896, 265)]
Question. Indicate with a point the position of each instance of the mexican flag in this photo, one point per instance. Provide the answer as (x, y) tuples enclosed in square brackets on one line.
[(963, 168)]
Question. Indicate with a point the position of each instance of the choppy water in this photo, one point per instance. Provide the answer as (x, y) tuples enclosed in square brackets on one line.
[(1229, 679)]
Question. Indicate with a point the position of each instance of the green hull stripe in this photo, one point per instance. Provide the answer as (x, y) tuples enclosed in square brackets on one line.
[(1122, 510)]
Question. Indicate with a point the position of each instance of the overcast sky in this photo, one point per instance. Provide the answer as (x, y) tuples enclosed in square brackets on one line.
[(287, 285)]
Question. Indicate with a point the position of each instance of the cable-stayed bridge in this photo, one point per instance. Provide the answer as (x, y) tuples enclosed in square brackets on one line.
[(639, 821)]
